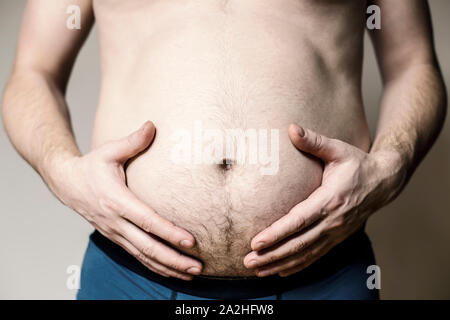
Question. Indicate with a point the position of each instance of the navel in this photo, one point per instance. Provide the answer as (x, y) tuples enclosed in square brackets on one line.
[(227, 164)]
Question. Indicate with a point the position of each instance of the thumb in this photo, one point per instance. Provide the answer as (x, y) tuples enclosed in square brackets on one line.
[(316, 144), (123, 149)]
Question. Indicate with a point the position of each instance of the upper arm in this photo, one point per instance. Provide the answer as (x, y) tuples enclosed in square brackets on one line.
[(45, 43), (405, 37)]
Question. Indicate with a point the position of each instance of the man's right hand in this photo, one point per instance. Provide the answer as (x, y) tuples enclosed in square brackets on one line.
[(94, 185)]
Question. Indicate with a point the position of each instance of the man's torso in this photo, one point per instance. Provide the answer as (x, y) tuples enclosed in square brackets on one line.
[(219, 65)]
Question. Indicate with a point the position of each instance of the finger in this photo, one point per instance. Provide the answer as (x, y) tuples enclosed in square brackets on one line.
[(316, 144), (304, 259), (301, 216), (292, 246), (150, 264), (306, 264), (124, 243), (140, 214), (155, 250), (126, 148)]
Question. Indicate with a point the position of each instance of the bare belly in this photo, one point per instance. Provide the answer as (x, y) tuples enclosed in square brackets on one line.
[(195, 81), (223, 206)]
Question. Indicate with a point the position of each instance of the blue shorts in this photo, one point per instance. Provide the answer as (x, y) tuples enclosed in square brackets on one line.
[(109, 272)]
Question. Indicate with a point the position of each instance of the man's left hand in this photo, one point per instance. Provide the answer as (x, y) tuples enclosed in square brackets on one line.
[(354, 185)]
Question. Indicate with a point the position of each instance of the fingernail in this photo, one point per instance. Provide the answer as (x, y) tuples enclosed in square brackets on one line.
[(251, 264), (144, 125), (193, 270), (259, 245), (300, 131), (186, 243)]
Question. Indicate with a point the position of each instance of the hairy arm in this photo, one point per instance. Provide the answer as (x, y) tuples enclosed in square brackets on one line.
[(35, 113), (414, 102), (355, 183), (37, 121)]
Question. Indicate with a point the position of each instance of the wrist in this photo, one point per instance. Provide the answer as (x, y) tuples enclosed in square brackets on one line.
[(392, 168), (56, 171)]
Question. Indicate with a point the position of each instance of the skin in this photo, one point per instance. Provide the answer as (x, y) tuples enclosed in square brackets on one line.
[(355, 183), (357, 180)]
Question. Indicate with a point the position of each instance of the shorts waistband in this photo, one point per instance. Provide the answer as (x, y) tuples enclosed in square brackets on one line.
[(242, 287)]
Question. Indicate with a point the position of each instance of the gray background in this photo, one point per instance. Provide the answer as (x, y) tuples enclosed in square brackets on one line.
[(40, 238)]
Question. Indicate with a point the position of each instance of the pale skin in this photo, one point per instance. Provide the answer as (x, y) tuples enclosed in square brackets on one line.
[(355, 183)]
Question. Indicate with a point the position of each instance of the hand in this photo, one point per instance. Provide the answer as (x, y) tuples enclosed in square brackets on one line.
[(354, 185), (94, 186)]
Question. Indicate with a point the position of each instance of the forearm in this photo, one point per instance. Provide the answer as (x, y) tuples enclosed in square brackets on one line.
[(37, 121), (413, 109)]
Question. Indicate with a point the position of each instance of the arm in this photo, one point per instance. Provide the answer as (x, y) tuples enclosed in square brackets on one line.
[(414, 101), (34, 108), (355, 183), (37, 121)]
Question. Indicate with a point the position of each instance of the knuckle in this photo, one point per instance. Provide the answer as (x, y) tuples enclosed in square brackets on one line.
[(108, 231), (141, 257), (177, 262), (147, 224), (117, 227), (336, 201), (318, 141), (272, 258), (122, 213), (145, 260), (323, 212), (148, 252), (300, 222), (299, 245), (107, 204), (111, 227)]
